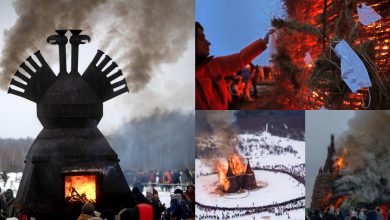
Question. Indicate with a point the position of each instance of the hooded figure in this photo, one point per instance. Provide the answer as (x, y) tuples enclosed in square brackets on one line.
[(179, 208), (87, 211)]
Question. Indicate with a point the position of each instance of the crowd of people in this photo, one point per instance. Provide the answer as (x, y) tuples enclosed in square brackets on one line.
[(370, 212), (148, 207), (277, 209), (242, 85), (261, 147), (165, 179), (297, 171)]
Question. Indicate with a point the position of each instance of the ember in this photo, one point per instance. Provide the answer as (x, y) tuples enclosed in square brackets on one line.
[(80, 189)]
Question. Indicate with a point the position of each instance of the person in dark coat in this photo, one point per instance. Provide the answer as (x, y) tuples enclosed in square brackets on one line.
[(316, 215), (158, 208), (139, 197), (371, 214), (9, 206), (87, 212), (179, 208), (190, 197), (107, 214), (330, 216)]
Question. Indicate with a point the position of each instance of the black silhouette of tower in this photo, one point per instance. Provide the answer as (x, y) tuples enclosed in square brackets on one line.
[(69, 106)]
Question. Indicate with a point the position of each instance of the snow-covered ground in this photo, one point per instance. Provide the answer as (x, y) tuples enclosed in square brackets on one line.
[(279, 187), (263, 151)]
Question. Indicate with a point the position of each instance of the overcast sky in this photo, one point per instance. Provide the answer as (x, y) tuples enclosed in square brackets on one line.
[(230, 24), (170, 88), (319, 126)]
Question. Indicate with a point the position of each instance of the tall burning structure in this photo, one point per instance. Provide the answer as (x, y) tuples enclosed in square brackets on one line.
[(236, 176), (70, 162), (314, 28), (356, 169), (323, 186)]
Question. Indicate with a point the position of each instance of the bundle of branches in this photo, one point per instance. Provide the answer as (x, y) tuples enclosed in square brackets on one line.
[(292, 26), (288, 86), (325, 78)]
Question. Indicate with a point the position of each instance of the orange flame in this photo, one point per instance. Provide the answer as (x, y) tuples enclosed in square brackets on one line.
[(81, 188), (339, 201), (237, 167), (340, 161)]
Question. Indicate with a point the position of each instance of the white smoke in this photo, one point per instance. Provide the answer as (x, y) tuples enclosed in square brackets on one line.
[(365, 177)]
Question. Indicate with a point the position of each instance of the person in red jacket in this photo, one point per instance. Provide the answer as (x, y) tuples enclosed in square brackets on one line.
[(211, 92)]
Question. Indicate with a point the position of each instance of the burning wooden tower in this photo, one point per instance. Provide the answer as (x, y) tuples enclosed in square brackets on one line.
[(323, 187), (70, 162), (237, 182), (237, 176)]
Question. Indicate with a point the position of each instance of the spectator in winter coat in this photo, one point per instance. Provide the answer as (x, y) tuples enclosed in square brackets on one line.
[(139, 197), (379, 215), (107, 214), (158, 208), (87, 212), (179, 209), (371, 214), (316, 215), (9, 206), (211, 91), (190, 197)]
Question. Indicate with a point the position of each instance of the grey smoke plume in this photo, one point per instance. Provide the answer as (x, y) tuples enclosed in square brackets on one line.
[(161, 141), (366, 176), (37, 20), (154, 33), (141, 34), (217, 125)]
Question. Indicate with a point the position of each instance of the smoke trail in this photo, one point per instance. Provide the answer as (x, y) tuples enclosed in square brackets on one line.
[(218, 127), (365, 177), (37, 20), (154, 33), (142, 34)]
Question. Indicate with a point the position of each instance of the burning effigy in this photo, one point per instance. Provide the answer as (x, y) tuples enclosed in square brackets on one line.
[(236, 176), (356, 169)]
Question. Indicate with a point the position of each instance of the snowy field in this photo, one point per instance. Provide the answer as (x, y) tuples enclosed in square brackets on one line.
[(263, 151), (279, 187)]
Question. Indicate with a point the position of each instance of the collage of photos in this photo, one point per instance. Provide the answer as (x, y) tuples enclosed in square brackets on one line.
[(195, 110)]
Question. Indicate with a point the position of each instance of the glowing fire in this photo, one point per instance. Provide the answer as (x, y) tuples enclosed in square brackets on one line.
[(339, 201), (80, 188), (340, 161), (236, 165)]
